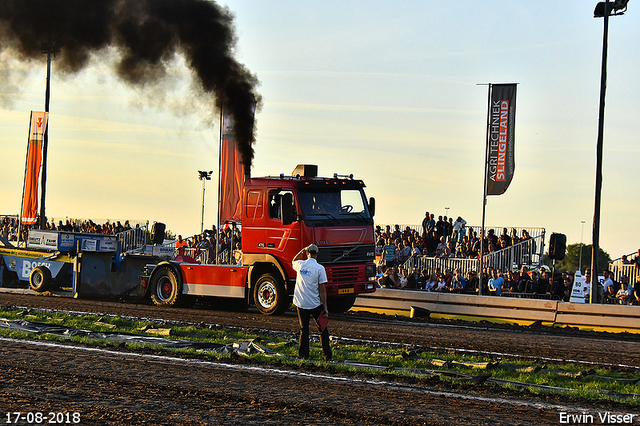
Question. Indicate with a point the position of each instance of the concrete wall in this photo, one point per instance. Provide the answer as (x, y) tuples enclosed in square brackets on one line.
[(505, 307)]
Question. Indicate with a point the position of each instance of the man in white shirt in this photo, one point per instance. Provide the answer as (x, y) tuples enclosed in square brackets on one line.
[(310, 298)]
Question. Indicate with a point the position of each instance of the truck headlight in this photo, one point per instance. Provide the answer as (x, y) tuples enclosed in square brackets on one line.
[(370, 270)]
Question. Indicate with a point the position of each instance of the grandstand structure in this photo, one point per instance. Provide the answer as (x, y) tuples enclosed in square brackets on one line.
[(528, 253), (131, 240)]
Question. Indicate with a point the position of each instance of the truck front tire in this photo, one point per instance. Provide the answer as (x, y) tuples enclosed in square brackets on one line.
[(166, 288), (270, 296), (40, 279), (340, 304)]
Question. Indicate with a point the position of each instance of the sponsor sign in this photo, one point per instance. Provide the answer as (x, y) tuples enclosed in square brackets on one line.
[(65, 241), (43, 240), (163, 252), (88, 244), (579, 287), (24, 265), (500, 164)]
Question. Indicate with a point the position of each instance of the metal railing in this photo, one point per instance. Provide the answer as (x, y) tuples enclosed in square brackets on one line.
[(528, 252), (204, 257), (200, 255), (134, 239), (532, 231), (441, 263), (78, 223), (630, 270)]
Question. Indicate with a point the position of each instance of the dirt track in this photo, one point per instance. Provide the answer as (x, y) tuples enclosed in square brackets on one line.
[(110, 387)]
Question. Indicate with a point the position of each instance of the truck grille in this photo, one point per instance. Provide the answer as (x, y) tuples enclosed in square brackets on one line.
[(345, 274), (346, 254)]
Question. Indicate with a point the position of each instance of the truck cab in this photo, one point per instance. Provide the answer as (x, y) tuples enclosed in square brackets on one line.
[(283, 214)]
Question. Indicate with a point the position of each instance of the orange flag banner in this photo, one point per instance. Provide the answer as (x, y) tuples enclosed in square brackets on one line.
[(37, 128)]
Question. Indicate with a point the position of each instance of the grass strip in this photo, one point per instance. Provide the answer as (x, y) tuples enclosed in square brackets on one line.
[(569, 379)]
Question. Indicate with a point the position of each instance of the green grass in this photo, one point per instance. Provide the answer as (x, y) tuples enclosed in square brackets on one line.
[(599, 384)]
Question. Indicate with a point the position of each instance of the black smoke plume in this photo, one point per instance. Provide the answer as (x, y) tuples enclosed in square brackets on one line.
[(147, 35)]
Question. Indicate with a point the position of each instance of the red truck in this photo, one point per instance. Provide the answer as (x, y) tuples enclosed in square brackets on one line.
[(280, 216)]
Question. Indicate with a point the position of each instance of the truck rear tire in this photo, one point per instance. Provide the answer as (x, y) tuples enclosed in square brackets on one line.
[(166, 288), (40, 279), (270, 296), (340, 304)]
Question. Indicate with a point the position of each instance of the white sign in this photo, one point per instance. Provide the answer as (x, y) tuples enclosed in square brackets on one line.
[(163, 252), (579, 287), (89, 245), (44, 240), (108, 244)]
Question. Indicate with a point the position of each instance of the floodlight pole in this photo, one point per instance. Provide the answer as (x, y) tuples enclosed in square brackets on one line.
[(202, 216), (581, 244), (204, 177), (595, 248)]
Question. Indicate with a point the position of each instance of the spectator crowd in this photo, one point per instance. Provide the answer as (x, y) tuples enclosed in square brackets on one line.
[(9, 227), (204, 246), (447, 238), (444, 238)]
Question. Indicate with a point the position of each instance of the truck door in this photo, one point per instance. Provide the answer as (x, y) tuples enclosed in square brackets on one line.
[(253, 221), (282, 241)]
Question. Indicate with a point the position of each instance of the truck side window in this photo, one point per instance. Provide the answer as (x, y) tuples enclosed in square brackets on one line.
[(275, 198), (254, 204)]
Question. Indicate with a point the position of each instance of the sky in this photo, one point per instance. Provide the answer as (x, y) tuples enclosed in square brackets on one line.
[(393, 92)]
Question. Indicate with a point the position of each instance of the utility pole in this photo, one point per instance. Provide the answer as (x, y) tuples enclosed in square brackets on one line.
[(50, 49)]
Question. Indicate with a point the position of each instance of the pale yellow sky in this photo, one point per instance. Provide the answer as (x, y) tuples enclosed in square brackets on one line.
[(385, 91)]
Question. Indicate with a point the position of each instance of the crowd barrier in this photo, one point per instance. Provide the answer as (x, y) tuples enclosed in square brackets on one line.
[(510, 258), (631, 271), (550, 311)]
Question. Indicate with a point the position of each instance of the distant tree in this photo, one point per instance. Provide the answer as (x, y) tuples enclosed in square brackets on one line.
[(571, 259)]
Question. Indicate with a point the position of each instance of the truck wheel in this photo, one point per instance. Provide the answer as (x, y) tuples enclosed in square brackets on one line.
[(270, 296), (166, 288), (340, 304), (40, 279)]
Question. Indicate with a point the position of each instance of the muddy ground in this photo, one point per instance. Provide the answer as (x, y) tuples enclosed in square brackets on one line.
[(116, 387)]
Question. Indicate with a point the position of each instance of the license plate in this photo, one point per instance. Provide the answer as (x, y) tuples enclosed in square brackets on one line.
[(345, 290)]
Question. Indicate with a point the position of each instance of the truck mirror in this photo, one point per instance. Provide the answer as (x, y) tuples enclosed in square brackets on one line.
[(372, 206), (286, 209)]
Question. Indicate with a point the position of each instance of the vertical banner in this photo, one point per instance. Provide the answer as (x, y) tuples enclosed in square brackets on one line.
[(500, 161), (231, 172), (37, 127)]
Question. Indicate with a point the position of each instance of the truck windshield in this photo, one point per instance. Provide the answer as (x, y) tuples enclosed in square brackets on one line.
[(333, 206)]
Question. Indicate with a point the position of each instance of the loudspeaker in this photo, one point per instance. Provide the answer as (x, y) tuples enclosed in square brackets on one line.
[(557, 246), (157, 233)]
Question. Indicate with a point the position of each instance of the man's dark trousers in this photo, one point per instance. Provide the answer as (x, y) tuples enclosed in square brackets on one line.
[(304, 317)]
